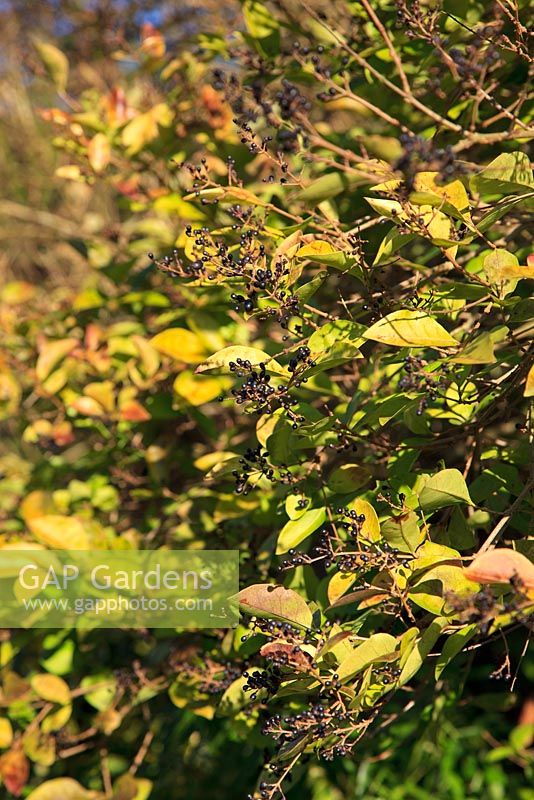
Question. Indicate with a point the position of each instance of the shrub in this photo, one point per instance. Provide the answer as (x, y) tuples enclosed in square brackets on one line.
[(305, 334)]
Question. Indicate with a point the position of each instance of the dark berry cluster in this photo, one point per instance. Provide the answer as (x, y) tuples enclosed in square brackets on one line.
[(268, 680), (417, 379), (422, 154)]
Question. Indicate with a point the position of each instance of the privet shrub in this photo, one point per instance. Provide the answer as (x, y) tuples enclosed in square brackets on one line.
[(305, 334)]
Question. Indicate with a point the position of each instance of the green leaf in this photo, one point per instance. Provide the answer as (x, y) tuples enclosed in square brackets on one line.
[(275, 602), (56, 64), (307, 290), (222, 359), (348, 478), (296, 530), (262, 27), (431, 590), (403, 532), (341, 330), (508, 173), (522, 737), (454, 645), (321, 252), (445, 488), (374, 649), (329, 185), (235, 699), (410, 328), (479, 351), (418, 654), (294, 509), (390, 244)]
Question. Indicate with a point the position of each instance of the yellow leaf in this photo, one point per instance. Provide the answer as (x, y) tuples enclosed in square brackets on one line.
[(6, 733), (529, 387), (62, 789), (370, 529), (59, 532), (103, 393), (429, 191), (10, 394), (410, 328), (198, 390), (338, 585), (180, 344), (87, 407), (51, 353), (315, 248), (99, 152), (36, 504), (143, 129), (51, 688), (228, 355)]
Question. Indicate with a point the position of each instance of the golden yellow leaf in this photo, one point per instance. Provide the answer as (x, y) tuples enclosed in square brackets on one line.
[(410, 328), (59, 532), (6, 733), (180, 344), (51, 688)]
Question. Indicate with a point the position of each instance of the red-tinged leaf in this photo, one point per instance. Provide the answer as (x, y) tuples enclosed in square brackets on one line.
[(132, 411), (15, 771)]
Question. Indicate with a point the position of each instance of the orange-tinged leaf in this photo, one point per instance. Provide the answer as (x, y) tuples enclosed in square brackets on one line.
[(133, 411), (501, 565), (15, 771)]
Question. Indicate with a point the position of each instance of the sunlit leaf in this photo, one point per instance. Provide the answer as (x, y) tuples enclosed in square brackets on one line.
[(373, 650), (275, 602), (297, 530), (410, 328), (445, 488), (60, 532), (228, 355)]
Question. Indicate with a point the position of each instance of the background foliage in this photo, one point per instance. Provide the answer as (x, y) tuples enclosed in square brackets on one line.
[(341, 194)]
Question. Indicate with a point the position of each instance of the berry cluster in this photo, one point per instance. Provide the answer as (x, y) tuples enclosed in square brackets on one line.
[(268, 680), (254, 461), (417, 379), (422, 154)]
